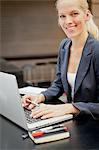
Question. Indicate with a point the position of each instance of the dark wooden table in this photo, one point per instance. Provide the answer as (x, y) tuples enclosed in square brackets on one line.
[(84, 136)]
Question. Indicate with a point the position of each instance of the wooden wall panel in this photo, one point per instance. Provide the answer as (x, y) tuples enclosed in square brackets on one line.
[(95, 1), (95, 11), (29, 28)]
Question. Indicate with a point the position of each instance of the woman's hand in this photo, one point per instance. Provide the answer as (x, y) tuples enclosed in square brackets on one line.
[(47, 111), (27, 100)]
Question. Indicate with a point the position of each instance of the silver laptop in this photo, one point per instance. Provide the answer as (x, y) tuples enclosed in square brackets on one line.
[(11, 107)]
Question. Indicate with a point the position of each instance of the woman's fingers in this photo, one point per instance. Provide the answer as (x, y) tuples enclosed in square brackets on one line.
[(48, 115), (26, 101), (44, 111), (30, 106), (39, 111)]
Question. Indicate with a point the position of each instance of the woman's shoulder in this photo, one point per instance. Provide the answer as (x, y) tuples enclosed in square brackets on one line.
[(64, 42), (96, 47), (93, 44), (95, 50)]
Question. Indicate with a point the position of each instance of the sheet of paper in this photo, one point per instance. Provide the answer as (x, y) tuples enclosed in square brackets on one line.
[(31, 90)]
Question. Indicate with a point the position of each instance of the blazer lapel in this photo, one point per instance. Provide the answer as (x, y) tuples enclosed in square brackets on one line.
[(65, 58), (83, 66)]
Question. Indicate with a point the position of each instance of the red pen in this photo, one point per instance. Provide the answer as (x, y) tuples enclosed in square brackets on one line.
[(41, 133)]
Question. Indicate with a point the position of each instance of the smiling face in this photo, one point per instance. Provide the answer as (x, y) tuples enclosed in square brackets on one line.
[(72, 19)]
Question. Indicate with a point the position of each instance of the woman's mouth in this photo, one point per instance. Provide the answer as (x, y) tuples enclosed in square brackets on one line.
[(71, 27)]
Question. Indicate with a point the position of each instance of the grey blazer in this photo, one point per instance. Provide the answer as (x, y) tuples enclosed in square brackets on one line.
[(86, 89)]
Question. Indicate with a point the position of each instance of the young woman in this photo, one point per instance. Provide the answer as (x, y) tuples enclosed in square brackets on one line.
[(77, 65)]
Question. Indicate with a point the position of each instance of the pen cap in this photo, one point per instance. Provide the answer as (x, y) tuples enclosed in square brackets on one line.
[(37, 133)]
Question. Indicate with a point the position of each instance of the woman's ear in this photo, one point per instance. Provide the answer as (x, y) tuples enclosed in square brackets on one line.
[(88, 15)]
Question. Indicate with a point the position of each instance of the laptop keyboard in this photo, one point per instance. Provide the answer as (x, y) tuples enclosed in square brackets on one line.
[(28, 118)]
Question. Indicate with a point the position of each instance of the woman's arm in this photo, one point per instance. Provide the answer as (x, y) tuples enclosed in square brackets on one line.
[(56, 89), (88, 108)]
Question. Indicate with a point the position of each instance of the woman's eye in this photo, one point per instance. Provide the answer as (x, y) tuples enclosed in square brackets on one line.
[(75, 14), (62, 16)]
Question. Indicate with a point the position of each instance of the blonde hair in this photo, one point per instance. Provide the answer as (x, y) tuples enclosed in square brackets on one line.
[(90, 24)]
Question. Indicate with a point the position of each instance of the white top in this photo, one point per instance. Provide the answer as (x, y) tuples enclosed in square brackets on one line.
[(71, 80)]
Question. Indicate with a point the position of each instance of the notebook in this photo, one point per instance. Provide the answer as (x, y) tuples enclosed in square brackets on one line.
[(11, 106), (43, 135)]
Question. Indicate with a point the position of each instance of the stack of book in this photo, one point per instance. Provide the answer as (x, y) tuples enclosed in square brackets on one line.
[(49, 134)]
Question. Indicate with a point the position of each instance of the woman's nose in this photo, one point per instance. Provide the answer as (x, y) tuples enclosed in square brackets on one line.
[(68, 20)]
